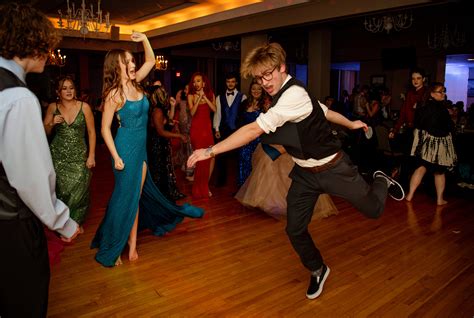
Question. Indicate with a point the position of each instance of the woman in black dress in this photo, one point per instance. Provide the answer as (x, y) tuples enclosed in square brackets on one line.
[(433, 143)]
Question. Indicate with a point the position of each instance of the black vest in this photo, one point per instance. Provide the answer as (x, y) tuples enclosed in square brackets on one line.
[(311, 138), (11, 205)]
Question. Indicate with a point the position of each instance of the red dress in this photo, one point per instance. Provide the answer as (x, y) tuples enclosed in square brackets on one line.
[(201, 137)]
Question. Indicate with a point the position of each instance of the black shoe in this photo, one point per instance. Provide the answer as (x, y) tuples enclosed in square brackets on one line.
[(395, 190), (316, 283)]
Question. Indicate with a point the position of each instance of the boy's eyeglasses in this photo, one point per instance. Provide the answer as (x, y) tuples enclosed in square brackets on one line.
[(268, 76)]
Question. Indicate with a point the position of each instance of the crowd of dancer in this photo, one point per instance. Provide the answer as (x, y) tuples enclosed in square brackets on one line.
[(289, 158)]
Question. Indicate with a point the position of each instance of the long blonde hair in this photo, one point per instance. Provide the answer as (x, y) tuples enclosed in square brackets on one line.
[(113, 75)]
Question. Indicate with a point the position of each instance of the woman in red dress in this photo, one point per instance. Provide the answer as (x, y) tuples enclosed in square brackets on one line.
[(201, 101)]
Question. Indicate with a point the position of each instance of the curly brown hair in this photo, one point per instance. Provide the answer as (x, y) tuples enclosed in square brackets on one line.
[(25, 32)]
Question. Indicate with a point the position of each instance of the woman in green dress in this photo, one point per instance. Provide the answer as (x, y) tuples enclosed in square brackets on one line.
[(68, 119)]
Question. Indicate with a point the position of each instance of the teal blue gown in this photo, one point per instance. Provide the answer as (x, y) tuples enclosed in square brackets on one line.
[(156, 212)]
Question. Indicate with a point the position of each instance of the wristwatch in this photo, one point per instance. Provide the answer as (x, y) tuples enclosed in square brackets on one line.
[(210, 152)]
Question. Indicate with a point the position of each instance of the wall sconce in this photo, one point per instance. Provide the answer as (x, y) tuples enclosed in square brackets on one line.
[(160, 63), (446, 38), (226, 46), (56, 58), (388, 23)]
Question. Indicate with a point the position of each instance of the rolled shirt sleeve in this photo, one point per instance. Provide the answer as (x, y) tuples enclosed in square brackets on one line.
[(294, 105), (27, 161)]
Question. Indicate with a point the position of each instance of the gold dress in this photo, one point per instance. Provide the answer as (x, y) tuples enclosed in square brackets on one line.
[(267, 186)]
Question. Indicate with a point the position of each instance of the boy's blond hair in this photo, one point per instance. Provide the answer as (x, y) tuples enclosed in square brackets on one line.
[(268, 56)]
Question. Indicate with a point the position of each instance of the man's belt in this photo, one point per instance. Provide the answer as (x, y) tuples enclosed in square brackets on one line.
[(331, 163)]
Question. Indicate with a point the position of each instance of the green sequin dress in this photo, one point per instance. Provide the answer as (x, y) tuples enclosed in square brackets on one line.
[(69, 153)]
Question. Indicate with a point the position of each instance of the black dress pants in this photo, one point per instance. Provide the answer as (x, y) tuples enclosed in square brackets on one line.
[(24, 268), (342, 180), (225, 161)]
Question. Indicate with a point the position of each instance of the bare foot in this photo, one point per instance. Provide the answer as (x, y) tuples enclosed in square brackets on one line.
[(132, 251), (81, 230), (118, 261), (210, 194), (133, 255), (409, 197), (442, 202)]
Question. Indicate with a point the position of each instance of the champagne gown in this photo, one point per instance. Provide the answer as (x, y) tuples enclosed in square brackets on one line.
[(267, 186)]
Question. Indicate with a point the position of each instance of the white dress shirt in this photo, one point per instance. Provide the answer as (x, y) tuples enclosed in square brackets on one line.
[(25, 155)]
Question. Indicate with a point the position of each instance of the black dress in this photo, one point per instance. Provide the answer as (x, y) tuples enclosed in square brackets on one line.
[(159, 156), (433, 142)]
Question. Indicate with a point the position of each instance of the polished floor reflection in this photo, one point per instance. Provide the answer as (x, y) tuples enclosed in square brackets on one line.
[(417, 260)]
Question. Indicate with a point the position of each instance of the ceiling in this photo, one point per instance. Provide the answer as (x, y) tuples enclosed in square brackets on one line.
[(128, 12), (165, 16), (170, 23)]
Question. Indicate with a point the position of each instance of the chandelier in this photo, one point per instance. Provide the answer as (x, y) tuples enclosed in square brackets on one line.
[(160, 63), (388, 22), (446, 38), (84, 19), (226, 46), (56, 58)]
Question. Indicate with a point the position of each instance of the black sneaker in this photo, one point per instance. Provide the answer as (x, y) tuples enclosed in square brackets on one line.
[(316, 283), (395, 190)]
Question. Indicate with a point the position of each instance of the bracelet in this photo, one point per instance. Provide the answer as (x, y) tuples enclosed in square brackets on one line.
[(210, 152)]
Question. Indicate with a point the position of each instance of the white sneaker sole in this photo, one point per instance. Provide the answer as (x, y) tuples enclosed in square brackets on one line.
[(394, 182), (321, 285), (400, 188)]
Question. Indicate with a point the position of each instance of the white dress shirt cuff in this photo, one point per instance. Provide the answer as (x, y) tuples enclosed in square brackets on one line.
[(68, 229)]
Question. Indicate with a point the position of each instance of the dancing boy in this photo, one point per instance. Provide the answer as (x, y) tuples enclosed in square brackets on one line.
[(301, 126)]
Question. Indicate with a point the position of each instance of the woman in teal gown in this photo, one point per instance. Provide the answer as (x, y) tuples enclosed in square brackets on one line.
[(136, 202)]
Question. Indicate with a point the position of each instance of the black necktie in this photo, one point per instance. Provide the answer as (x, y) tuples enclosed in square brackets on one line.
[(231, 93)]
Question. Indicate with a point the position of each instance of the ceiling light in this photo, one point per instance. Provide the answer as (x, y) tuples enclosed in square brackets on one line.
[(84, 19)]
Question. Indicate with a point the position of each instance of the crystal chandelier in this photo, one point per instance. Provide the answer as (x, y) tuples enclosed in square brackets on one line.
[(84, 19), (446, 38), (56, 58), (388, 22), (160, 63)]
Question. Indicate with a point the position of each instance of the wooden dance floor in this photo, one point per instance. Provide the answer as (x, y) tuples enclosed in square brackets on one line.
[(417, 260)]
